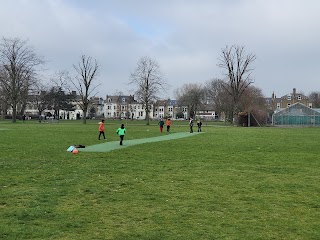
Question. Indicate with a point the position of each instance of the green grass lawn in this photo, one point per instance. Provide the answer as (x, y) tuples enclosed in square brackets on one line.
[(227, 183)]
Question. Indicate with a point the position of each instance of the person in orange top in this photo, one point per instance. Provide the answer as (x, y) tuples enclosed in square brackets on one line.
[(168, 123), (101, 130)]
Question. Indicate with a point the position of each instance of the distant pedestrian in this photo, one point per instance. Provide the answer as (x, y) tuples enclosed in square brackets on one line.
[(191, 125), (199, 123), (24, 117), (161, 124), (121, 131), (168, 124), (101, 130)]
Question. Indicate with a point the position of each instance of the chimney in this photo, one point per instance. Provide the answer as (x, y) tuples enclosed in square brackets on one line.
[(294, 92)]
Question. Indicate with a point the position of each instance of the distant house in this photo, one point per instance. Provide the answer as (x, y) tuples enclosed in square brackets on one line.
[(96, 108), (206, 113), (160, 109), (168, 108), (287, 100), (125, 107)]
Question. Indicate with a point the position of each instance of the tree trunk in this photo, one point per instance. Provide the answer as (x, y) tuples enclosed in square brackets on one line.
[(147, 116), (14, 113), (84, 119)]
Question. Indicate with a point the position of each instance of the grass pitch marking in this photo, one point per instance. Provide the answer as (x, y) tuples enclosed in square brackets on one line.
[(109, 146)]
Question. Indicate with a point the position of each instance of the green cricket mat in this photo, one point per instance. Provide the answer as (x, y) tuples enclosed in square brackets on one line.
[(109, 146)]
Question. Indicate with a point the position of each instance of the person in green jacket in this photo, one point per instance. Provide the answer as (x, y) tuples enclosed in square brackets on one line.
[(121, 132)]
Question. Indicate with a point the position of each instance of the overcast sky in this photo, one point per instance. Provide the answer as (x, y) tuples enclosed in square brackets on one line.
[(184, 36)]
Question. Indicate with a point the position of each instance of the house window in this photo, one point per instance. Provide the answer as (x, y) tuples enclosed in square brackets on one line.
[(310, 105), (299, 97), (278, 105), (289, 104), (109, 99), (289, 97), (123, 100), (170, 109), (109, 107)]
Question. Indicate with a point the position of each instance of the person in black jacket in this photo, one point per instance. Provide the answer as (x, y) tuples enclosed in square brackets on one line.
[(199, 123)]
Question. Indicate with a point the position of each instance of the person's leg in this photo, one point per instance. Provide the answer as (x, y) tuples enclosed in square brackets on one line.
[(104, 136), (121, 139), (99, 135)]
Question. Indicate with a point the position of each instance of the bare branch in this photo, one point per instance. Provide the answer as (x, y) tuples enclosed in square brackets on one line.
[(19, 65), (238, 71), (149, 81), (86, 73)]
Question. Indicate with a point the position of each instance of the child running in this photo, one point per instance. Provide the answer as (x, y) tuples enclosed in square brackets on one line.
[(101, 130), (121, 132)]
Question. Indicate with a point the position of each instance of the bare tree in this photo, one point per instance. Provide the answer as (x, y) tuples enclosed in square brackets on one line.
[(149, 81), (219, 98), (4, 96), (254, 108), (253, 99), (238, 72), (192, 96), (18, 63), (61, 79), (87, 71), (60, 96), (40, 98), (315, 98)]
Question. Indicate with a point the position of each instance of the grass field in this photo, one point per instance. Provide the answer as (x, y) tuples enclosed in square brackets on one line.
[(227, 183)]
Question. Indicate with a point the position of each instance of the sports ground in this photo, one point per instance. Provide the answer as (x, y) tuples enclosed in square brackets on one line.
[(226, 183)]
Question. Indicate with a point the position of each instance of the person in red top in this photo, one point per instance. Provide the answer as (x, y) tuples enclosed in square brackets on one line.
[(168, 123), (101, 130)]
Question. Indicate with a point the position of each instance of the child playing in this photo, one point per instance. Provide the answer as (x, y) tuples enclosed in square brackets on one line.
[(161, 123), (168, 123), (101, 129), (121, 132)]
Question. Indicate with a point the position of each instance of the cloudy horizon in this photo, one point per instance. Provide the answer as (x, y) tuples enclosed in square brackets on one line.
[(184, 37)]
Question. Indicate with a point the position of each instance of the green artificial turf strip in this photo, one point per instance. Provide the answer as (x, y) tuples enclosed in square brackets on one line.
[(109, 146)]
